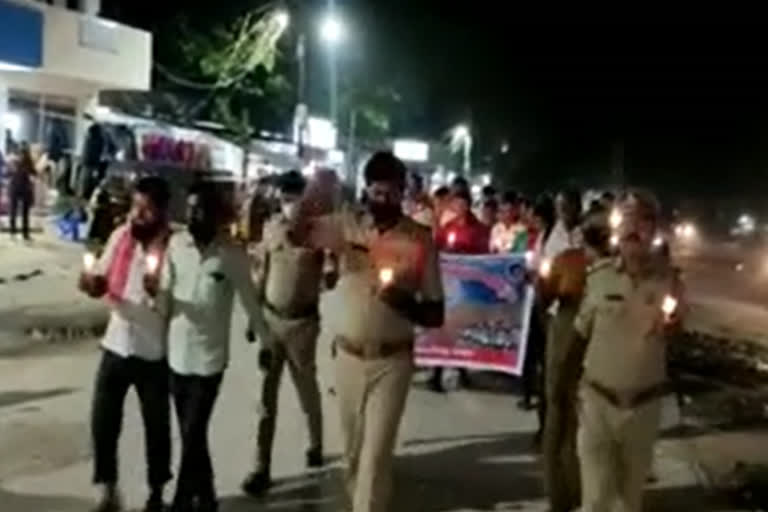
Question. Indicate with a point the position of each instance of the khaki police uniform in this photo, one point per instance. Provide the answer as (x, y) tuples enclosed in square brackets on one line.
[(290, 281), (623, 381), (374, 343)]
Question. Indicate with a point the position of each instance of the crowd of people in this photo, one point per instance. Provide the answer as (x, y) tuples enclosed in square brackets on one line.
[(602, 314)]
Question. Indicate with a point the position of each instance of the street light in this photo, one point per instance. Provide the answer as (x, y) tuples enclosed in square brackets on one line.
[(331, 29), (461, 137), (283, 19)]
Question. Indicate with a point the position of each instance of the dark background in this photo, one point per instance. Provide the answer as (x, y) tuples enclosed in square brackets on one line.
[(681, 105)]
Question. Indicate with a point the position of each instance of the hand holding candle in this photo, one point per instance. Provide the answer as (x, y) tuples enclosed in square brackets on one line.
[(668, 307), (386, 275), (545, 268), (89, 261), (152, 262)]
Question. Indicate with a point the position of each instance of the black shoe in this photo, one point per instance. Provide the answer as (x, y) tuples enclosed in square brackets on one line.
[(155, 502), (257, 483), (315, 458)]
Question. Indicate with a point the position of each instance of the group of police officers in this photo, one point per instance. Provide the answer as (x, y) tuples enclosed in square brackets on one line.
[(609, 315)]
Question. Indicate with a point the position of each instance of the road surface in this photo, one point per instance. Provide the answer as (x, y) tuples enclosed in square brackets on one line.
[(463, 451)]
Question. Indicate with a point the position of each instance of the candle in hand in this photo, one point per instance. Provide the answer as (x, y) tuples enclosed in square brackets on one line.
[(89, 260), (386, 275), (668, 306), (452, 238), (545, 268), (153, 262)]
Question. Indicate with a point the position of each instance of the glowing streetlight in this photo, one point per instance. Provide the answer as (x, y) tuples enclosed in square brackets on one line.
[(331, 29), (461, 138), (283, 19)]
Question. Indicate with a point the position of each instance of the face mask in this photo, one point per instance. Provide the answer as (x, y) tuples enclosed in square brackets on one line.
[(143, 232), (290, 210), (383, 212), (202, 231)]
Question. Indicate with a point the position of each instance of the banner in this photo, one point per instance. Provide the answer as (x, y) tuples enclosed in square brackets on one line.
[(488, 306)]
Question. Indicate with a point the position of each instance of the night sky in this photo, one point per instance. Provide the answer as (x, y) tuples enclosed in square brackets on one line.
[(684, 103)]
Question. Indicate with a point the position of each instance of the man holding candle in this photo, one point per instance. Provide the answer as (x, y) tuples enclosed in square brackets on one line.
[(201, 272), (289, 283), (630, 306), (465, 234), (133, 346), (389, 283)]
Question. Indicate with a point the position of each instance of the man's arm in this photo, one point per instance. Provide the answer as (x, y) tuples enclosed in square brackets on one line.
[(238, 270), (94, 283)]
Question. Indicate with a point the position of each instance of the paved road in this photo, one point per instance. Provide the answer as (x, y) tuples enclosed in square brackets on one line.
[(465, 451)]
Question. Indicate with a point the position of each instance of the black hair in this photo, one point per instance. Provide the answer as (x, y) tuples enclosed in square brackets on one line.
[(384, 166), (545, 209), (208, 197), (156, 189), (488, 191), (460, 182), (442, 192), (463, 194), (510, 197), (608, 196), (572, 195), (292, 182), (491, 203)]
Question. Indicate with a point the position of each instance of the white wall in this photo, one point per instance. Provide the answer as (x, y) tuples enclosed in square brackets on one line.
[(119, 57)]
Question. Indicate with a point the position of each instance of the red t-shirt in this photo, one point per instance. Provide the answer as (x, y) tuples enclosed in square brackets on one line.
[(470, 237)]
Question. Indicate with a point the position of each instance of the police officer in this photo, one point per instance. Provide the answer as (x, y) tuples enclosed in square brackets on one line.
[(389, 281), (629, 308), (565, 285), (290, 284)]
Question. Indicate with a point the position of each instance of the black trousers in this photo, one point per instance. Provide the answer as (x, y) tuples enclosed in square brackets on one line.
[(194, 397), (150, 378), (20, 202)]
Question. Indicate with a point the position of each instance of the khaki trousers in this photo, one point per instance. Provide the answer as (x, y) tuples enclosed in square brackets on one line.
[(561, 464), (616, 450), (291, 342), (372, 395)]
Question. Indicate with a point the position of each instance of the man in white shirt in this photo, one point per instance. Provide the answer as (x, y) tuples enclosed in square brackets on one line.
[(201, 272), (133, 346)]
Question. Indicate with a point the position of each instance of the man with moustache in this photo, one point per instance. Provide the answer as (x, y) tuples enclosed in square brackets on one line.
[(133, 346), (630, 307)]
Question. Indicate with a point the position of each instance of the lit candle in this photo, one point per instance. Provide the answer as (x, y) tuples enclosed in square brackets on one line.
[(153, 262), (386, 275), (452, 238), (545, 268), (529, 258), (89, 260), (614, 240), (668, 305), (615, 218)]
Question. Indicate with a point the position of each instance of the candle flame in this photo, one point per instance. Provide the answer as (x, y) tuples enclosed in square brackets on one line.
[(452, 238), (152, 263), (669, 305), (386, 275), (89, 260), (615, 218), (545, 268)]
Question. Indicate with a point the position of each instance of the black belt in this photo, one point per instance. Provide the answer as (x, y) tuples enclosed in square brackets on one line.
[(623, 400), (310, 311), (372, 350)]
